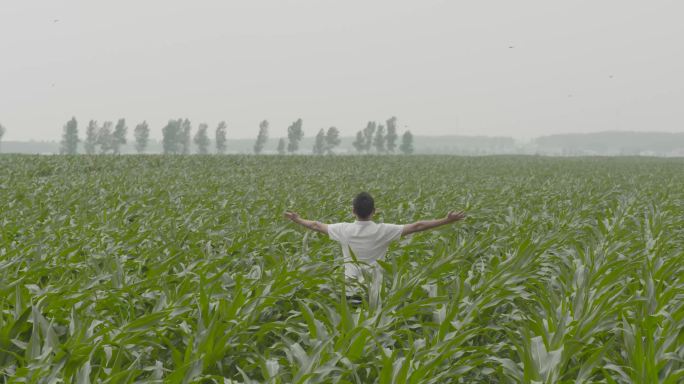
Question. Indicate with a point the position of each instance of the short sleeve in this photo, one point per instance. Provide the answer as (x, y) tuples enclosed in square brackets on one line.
[(336, 231), (392, 232)]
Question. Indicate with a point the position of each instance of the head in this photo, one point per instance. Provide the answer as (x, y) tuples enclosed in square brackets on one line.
[(363, 206)]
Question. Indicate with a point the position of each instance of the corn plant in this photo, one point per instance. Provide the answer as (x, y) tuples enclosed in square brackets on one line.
[(180, 269)]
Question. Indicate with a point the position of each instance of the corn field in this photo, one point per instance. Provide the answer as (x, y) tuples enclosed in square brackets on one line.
[(181, 269)]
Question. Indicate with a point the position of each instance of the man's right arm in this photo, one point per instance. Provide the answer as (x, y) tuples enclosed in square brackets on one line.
[(419, 226), (312, 225)]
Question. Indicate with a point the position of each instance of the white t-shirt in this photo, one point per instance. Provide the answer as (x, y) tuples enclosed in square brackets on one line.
[(368, 240)]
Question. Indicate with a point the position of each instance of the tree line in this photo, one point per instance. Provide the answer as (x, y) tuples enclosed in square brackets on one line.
[(374, 136), (177, 138)]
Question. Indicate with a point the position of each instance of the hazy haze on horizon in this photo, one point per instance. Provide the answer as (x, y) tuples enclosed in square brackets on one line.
[(522, 69)]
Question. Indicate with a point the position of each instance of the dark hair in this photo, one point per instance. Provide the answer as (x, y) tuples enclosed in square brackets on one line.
[(363, 205)]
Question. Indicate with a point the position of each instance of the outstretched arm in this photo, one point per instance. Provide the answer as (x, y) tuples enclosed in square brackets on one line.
[(429, 224), (313, 225)]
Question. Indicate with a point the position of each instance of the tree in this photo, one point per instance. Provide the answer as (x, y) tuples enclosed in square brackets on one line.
[(406, 146), (170, 136), (281, 146), (332, 139), (105, 138), (319, 144), (119, 136), (2, 132), (379, 141), (391, 136), (262, 137), (201, 139), (221, 133), (294, 136), (142, 136), (360, 143), (70, 138), (90, 142), (368, 136), (184, 139)]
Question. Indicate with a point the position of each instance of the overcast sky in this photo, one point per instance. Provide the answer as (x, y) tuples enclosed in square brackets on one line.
[(518, 68)]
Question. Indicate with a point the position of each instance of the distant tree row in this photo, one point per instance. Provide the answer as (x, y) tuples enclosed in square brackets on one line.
[(326, 142), (374, 136), (105, 138), (177, 138)]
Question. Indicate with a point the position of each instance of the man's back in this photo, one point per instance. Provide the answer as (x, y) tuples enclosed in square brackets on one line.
[(368, 240)]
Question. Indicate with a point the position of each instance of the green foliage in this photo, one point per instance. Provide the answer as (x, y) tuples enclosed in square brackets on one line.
[(119, 136), (142, 136), (172, 136), (184, 138), (391, 137), (221, 137), (294, 136), (281, 146), (379, 140), (319, 143), (406, 146), (332, 139), (105, 138), (368, 133), (181, 269), (90, 142), (69, 143), (359, 143), (202, 139), (262, 137)]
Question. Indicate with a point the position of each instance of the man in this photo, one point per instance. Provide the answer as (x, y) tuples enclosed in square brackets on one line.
[(366, 239)]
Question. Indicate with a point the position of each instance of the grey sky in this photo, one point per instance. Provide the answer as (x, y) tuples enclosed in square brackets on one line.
[(519, 68)]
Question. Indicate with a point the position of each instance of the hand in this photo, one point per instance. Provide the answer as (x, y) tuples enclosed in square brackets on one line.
[(292, 215), (455, 216)]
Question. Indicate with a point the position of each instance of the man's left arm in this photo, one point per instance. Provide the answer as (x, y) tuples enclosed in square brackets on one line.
[(419, 226), (312, 225)]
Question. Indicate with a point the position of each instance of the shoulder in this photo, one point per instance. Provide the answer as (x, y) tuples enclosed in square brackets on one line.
[(338, 225), (336, 230), (391, 231), (390, 227)]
